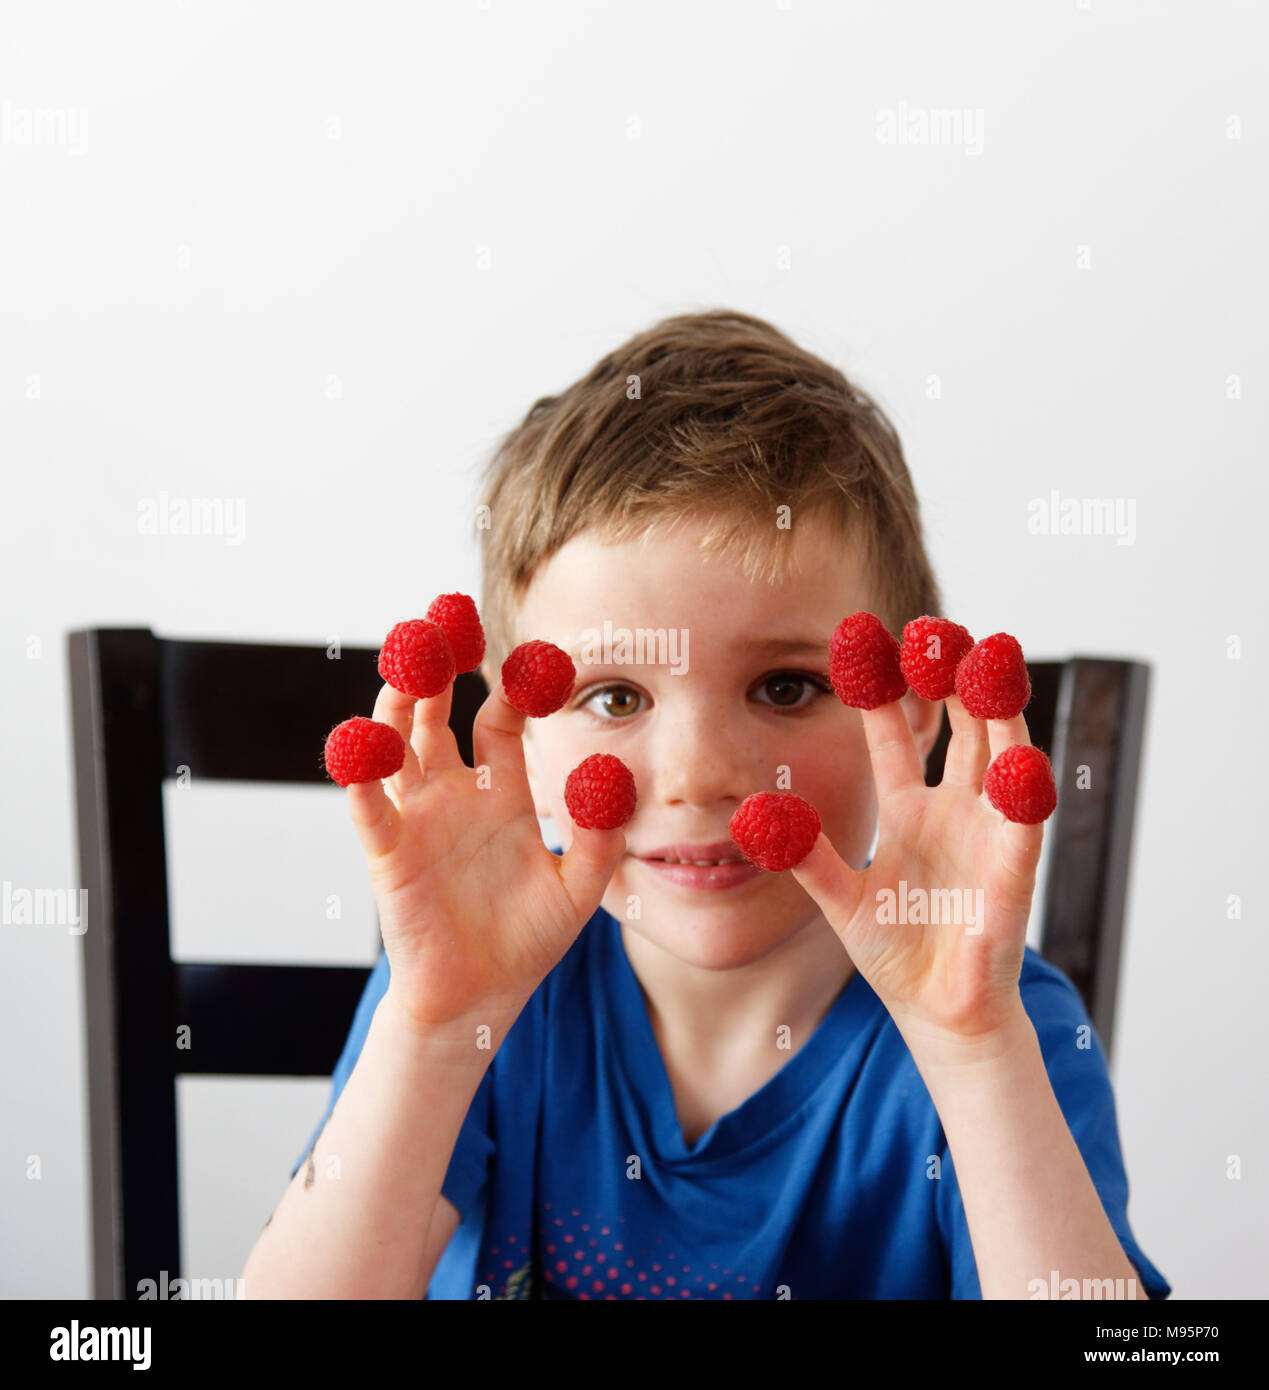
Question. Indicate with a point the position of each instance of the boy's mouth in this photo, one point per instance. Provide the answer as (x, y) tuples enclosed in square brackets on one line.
[(711, 854), (714, 865)]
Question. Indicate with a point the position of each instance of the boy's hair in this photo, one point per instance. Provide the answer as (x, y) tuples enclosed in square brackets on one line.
[(720, 416)]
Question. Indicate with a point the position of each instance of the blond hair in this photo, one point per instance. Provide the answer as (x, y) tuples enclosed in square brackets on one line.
[(718, 415)]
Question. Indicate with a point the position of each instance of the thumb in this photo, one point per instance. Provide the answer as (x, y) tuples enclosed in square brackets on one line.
[(588, 864), (835, 886)]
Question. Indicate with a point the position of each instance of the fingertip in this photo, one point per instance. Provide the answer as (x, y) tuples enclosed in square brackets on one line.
[(1022, 846), (374, 815), (395, 707), (1004, 733)]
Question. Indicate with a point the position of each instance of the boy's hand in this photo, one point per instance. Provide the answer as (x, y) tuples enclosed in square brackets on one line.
[(474, 909), (951, 982)]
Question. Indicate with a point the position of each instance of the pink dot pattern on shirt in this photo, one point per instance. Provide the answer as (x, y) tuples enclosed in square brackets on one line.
[(608, 1271)]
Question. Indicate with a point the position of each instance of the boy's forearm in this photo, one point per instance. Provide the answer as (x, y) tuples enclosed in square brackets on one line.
[(1030, 1204), (354, 1221)]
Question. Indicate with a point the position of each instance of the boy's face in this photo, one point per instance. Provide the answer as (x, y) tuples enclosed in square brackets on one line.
[(740, 719)]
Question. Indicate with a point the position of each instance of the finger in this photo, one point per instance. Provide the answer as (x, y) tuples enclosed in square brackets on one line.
[(895, 761), (1004, 733), (497, 737), (432, 738), (835, 886), (395, 708), (1020, 855), (376, 819), (588, 863), (967, 756)]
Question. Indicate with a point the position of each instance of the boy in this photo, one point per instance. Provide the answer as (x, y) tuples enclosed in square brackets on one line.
[(583, 1072)]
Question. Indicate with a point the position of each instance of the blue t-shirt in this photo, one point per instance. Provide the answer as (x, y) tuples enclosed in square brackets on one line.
[(573, 1180)]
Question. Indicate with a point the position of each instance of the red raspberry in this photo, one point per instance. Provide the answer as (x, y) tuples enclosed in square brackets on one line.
[(863, 663), (929, 654), (537, 678), (456, 613), (1019, 784), (992, 679), (600, 793), (417, 658), (775, 830), (363, 750)]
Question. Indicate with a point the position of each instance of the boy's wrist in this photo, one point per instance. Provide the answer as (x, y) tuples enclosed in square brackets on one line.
[(939, 1053), (471, 1039)]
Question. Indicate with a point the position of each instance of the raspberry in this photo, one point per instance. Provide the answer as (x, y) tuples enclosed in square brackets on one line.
[(600, 793), (1019, 784), (363, 750), (456, 613), (864, 663), (537, 678), (775, 830), (417, 658), (929, 654), (992, 679)]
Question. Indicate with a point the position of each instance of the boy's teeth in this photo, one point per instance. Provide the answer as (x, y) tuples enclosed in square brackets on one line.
[(701, 863)]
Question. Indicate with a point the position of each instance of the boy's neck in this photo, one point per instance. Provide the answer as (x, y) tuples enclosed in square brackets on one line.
[(720, 1014)]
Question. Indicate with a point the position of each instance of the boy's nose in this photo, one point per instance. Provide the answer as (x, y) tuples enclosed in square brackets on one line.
[(697, 762)]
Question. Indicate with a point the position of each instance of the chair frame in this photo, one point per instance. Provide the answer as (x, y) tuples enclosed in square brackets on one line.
[(144, 708)]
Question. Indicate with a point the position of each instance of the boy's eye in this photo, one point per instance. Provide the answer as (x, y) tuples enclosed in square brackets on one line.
[(787, 691), (619, 701), (788, 687)]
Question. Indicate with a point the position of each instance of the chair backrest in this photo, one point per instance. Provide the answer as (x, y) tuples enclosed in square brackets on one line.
[(145, 707)]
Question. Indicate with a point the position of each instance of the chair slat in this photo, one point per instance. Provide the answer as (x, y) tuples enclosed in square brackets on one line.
[(259, 712), (265, 1020)]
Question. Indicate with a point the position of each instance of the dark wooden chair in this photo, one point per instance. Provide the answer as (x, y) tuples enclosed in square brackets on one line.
[(144, 706)]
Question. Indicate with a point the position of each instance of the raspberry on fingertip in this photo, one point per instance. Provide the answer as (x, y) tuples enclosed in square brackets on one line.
[(457, 615), (417, 659), (537, 678), (864, 663), (600, 793), (929, 654), (775, 830), (992, 679), (1019, 784), (363, 750)]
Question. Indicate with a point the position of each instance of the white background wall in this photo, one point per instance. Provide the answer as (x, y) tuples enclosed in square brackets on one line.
[(317, 257)]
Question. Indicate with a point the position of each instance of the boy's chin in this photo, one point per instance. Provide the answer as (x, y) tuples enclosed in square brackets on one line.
[(711, 940), (716, 930)]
